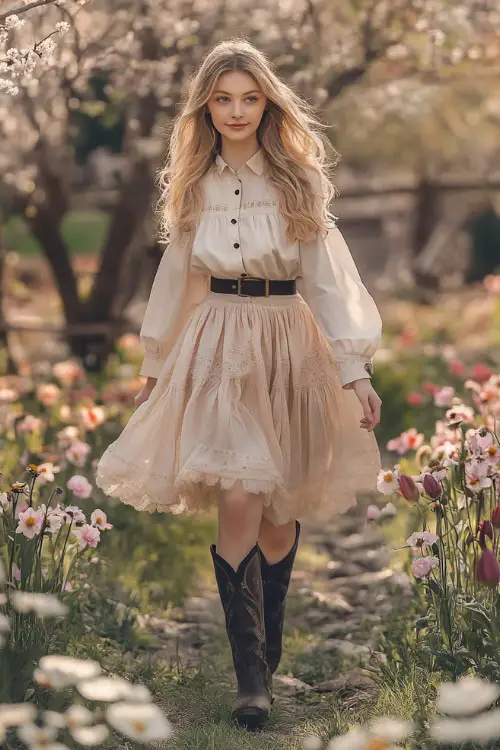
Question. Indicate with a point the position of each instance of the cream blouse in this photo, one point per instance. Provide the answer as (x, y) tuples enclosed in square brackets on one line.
[(241, 231)]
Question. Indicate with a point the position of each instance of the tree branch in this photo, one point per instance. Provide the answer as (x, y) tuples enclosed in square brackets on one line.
[(24, 9)]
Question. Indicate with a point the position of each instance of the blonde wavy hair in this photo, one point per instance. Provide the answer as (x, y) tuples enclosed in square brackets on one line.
[(289, 135)]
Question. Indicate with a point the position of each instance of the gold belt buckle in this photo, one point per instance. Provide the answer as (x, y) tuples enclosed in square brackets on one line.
[(252, 278)]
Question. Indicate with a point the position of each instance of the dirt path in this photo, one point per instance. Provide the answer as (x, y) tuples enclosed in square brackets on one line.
[(342, 591)]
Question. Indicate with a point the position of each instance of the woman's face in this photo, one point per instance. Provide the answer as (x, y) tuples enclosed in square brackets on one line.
[(236, 100)]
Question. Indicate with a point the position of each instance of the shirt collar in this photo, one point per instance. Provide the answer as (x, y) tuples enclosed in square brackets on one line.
[(256, 163)]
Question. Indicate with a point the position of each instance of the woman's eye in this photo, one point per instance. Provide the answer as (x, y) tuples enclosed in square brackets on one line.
[(225, 98)]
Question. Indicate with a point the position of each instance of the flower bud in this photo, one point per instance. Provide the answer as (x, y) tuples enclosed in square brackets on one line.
[(488, 569), (431, 486), (408, 488), (485, 529), (495, 517)]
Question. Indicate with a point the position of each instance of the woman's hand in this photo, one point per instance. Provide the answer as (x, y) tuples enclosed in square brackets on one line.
[(145, 392), (370, 401)]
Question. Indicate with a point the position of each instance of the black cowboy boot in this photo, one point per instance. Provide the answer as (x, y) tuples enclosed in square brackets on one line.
[(275, 579), (242, 599)]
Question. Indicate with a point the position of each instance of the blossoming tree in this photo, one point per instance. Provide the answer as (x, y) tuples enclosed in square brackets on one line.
[(144, 51)]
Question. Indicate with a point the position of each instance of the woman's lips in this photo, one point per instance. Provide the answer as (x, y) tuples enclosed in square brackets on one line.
[(238, 127)]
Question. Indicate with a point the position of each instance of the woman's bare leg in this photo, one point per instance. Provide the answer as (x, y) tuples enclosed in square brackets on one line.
[(240, 515), (276, 541)]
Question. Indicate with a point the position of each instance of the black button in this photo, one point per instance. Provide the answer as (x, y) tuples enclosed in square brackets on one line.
[(236, 244), (236, 192), (233, 221)]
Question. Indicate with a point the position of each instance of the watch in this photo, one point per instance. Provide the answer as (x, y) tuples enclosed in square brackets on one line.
[(369, 367)]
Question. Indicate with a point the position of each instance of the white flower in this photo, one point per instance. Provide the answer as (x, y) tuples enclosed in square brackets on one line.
[(99, 519), (422, 539), (63, 27), (388, 511), (91, 736), (467, 696), (47, 472), (384, 730), (78, 716), (14, 22), (142, 722), (480, 729), (63, 671), (14, 714), (43, 605), (312, 743), (4, 623), (104, 689), (35, 736), (387, 481)]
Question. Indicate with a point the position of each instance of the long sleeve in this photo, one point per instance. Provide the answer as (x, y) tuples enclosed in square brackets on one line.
[(177, 289), (344, 310)]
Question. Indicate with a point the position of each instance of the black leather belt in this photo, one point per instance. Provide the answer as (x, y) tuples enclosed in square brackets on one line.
[(247, 286)]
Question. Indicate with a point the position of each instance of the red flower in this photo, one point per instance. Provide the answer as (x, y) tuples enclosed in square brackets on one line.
[(485, 529), (432, 486), (408, 488), (414, 398), (488, 569), (481, 373), (495, 517), (456, 367), (431, 388)]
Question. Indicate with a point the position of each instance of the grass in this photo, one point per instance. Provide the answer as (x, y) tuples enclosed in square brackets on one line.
[(83, 231)]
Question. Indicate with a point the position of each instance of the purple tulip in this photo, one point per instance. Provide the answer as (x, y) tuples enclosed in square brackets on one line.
[(432, 486), (408, 488), (495, 517), (488, 569)]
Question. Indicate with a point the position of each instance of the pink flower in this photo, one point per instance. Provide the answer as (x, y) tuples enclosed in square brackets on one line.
[(411, 440), (88, 536), (372, 513), (408, 488), (443, 397), (21, 506), (67, 372), (68, 436), (48, 393), (79, 486), (488, 569), (30, 523), (77, 453), (92, 416), (422, 539), (422, 566), (99, 519), (29, 424), (476, 475), (74, 513)]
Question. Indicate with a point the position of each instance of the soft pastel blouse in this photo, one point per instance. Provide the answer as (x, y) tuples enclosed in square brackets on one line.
[(241, 231)]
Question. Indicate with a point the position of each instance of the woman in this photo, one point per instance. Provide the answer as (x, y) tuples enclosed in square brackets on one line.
[(259, 337)]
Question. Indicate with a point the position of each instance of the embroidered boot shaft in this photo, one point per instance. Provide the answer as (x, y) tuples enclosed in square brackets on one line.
[(242, 599), (275, 580)]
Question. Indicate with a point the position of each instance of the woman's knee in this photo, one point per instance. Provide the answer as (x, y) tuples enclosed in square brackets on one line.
[(238, 508)]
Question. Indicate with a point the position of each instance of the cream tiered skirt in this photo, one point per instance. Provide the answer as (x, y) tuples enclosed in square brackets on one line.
[(249, 392)]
